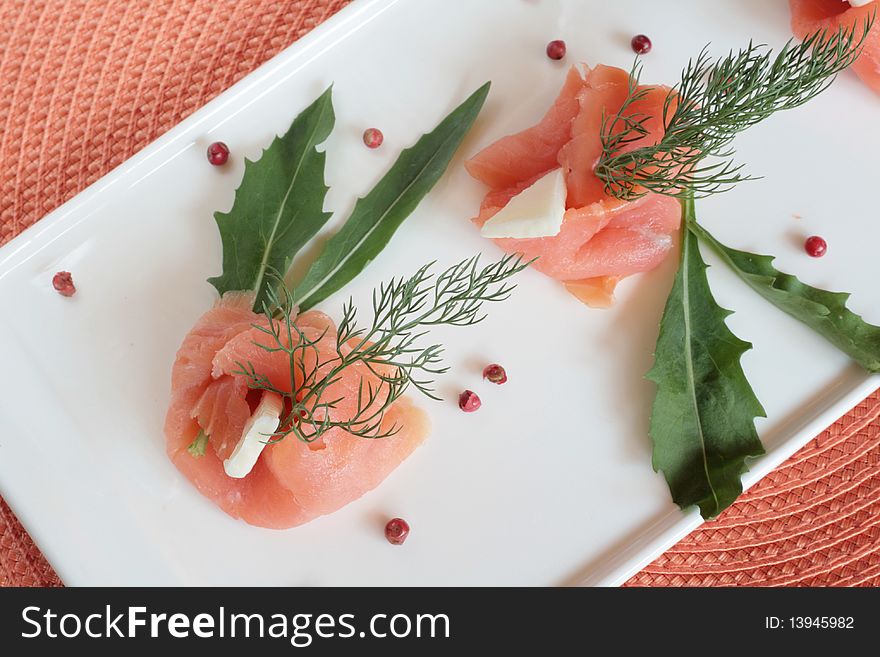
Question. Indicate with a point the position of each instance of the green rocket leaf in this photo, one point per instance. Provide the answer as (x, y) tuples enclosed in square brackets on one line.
[(377, 216), (278, 207), (824, 312), (702, 424), (198, 445)]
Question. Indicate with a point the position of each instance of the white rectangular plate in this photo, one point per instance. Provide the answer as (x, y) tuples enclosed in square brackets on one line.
[(551, 481)]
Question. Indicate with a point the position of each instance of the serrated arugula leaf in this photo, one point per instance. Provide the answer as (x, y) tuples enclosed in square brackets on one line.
[(823, 311), (279, 205), (197, 447), (702, 423), (377, 215)]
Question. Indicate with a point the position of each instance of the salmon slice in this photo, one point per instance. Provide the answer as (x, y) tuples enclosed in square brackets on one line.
[(602, 239), (810, 16), (637, 238), (534, 151), (645, 228), (595, 292), (292, 482), (602, 97), (343, 467)]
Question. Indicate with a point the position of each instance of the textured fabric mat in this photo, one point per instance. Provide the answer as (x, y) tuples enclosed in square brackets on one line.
[(84, 84)]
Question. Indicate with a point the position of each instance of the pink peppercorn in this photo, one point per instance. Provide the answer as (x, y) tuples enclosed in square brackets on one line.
[(815, 246), (218, 153), (494, 373), (63, 283), (556, 49), (468, 401), (396, 531), (373, 137), (641, 44)]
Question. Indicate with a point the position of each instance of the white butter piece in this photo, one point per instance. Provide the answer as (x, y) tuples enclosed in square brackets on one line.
[(537, 211), (859, 3), (257, 431)]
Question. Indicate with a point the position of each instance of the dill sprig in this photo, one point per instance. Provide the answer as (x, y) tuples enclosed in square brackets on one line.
[(714, 101), (403, 311)]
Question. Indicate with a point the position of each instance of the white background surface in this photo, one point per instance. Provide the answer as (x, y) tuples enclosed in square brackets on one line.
[(550, 482)]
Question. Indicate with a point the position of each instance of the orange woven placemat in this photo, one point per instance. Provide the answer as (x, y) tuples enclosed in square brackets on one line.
[(84, 84)]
